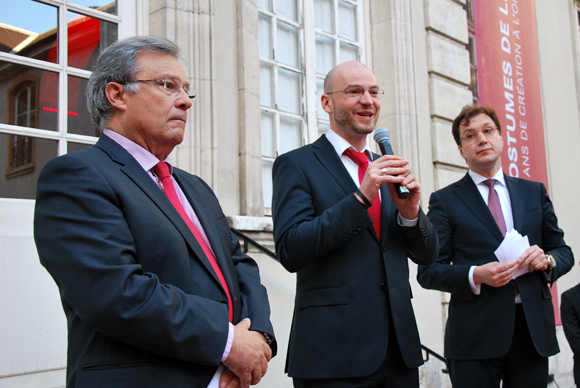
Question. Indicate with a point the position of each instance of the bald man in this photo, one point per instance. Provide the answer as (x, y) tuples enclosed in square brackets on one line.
[(340, 226)]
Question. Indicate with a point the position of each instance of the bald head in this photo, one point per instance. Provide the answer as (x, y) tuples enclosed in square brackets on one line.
[(339, 72)]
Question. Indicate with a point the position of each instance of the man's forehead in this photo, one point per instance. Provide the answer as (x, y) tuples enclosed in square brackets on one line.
[(161, 63), (476, 121)]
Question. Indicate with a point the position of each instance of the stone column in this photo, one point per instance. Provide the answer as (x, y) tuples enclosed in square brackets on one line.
[(189, 23)]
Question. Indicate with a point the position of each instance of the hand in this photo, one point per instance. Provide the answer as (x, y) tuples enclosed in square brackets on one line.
[(397, 171), (249, 356), (533, 258), (495, 274), (229, 380)]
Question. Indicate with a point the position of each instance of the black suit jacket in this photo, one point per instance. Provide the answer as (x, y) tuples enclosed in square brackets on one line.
[(570, 313), (144, 307), (347, 278), (481, 326)]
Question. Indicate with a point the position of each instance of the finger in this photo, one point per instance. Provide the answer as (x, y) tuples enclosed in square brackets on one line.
[(245, 323), (226, 378)]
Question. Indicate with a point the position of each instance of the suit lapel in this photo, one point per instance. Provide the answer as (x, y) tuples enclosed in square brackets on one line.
[(468, 193), (130, 167), (326, 154), (207, 221), (517, 200)]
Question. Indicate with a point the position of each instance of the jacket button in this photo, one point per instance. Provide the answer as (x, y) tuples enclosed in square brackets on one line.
[(384, 287)]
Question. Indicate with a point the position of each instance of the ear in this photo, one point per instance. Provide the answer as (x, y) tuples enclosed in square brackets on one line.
[(116, 95), (326, 102), (460, 151)]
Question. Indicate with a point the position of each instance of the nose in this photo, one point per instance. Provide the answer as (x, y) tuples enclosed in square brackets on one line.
[(183, 101), (366, 98)]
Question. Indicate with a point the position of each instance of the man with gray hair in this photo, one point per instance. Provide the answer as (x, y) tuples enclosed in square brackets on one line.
[(155, 287)]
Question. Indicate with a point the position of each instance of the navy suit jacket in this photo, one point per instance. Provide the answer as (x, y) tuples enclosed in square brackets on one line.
[(570, 313), (347, 277), (143, 304), (481, 326)]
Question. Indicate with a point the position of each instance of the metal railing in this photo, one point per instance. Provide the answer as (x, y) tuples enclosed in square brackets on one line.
[(246, 241)]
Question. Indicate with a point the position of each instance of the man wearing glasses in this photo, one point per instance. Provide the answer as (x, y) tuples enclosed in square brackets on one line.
[(155, 287), (501, 327), (340, 226)]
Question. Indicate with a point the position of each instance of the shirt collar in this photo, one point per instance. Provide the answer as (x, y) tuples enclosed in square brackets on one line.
[(478, 179), (340, 144), (145, 158)]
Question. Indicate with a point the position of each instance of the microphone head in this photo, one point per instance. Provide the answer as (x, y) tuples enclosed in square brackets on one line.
[(382, 134)]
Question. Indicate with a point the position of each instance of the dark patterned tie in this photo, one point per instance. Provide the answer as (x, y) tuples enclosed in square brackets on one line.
[(495, 206), (361, 159), (162, 171)]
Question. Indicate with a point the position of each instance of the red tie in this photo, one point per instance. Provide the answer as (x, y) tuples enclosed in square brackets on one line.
[(495, 206), (162, 172), (361, 159)]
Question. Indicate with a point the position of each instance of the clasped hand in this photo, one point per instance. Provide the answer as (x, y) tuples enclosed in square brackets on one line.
[(248, 360), (498, 274)]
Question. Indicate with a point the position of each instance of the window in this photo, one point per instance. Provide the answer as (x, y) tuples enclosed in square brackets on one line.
[(300, 41), (22, 106), (47, 49), (468, 6)]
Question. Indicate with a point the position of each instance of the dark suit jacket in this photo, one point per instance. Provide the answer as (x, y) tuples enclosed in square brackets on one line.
[(144, 307), (347, 279), (570, 313), (481, 326)]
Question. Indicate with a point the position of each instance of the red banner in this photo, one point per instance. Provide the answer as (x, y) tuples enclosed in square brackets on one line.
[(508, 77)]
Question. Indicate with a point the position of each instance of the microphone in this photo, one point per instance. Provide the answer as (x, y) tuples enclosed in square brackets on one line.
[(383, 138)]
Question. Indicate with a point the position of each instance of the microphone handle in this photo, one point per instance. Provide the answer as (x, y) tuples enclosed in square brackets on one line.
[(386, 149)]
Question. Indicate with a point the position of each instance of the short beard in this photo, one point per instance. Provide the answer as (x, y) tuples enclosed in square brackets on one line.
[(344, 119)]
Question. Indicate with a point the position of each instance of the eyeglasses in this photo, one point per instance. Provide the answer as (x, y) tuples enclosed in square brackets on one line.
[(472, 136), (170, 85), (357, 92)]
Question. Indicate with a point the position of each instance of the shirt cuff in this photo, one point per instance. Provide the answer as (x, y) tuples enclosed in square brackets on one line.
[(475, 288), (230, 342), (405, 222)]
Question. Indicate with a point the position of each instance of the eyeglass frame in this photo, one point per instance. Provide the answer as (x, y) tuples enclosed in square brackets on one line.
[(163, 81), (494, 129), (380, 92)]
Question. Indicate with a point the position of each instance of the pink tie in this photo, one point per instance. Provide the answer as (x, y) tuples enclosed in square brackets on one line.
[(361, 159), (495, 206), (162, 171)]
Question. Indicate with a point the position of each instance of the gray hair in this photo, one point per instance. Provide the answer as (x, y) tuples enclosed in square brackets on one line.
[(118, 63)]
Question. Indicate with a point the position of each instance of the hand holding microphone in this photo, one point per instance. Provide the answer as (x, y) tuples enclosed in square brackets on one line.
[(383, 137)]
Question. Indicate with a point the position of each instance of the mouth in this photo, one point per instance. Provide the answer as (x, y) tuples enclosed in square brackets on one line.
[(366, 115)]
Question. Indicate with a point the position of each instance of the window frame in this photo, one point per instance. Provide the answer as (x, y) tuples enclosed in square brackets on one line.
[(309, 99)]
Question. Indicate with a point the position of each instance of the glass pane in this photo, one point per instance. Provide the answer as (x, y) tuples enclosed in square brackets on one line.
[(25, 158), (108, 6), (73, 147), (290, 134), (347, 53), (287, 45), (289, 91), (320, 113), (266, 85), (323, 15), (28, 96), (265, 37), (324, 54), (267, 183), (287, 9), (87, 37), (79, 119), (265, 4), (268, 138), (346, 21), (30, 29), (322, 129)]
